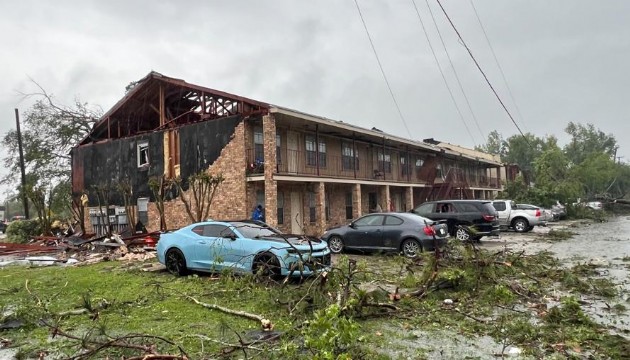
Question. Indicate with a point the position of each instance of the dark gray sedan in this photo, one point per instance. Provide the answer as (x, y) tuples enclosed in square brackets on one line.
[(401, 232)]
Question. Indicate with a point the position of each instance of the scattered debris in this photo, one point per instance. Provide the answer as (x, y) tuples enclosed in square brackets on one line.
[(79, 249)]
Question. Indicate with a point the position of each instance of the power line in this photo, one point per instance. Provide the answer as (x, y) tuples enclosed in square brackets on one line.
[(459, 83), (496, 60), (482, 72), (380, 66), (426, 34)]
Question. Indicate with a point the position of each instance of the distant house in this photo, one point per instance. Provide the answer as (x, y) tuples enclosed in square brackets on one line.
[(307, 171)]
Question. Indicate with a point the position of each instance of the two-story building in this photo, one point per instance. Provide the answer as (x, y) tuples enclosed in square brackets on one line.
[(308, 172)]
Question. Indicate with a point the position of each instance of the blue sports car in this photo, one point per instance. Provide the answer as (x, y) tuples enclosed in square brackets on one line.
[(244, 246)]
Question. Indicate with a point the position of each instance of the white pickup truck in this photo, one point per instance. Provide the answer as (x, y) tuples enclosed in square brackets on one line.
[(521, 220)]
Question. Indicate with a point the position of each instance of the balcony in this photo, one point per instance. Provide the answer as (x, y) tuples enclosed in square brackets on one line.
[(484, 182), (294, 162)]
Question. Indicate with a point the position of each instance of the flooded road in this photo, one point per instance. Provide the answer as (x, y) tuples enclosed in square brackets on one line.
[(605, 247)]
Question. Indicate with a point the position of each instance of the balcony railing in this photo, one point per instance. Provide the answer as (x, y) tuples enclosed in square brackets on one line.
[(484, 182), (294, 162)]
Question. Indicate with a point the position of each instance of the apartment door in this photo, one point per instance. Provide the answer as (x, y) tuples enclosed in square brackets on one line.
[(296, 213), (397, 202), (292, 152)]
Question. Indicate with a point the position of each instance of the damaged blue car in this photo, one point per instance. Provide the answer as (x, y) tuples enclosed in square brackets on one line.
[(242, 246)]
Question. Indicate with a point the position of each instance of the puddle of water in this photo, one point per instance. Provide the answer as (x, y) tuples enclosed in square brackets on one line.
[(445, 344), (8, 354)]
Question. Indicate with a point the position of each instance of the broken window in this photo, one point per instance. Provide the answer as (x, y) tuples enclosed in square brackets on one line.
[(143, 153)]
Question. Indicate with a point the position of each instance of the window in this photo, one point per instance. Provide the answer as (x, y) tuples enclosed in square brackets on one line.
[(349, 157), (499, 205), (370, 220), (403, 165), (439, 173), (143, 153), (311, 206), (280, 208), (278, 149), (348, 205), (393, 220), (384, 162), (419, 164), (445, 208), (322, 153), (311, 151), (424, 209), (467, 207), (213, 231), (259, 148)]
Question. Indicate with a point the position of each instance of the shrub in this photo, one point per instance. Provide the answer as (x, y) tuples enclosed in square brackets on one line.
[(21, 231)]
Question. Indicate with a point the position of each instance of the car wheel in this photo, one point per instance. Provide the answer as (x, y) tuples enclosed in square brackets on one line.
[(462, 234), (520, 225), (411, 248), (176, 262), (335, 244), (266, 265)]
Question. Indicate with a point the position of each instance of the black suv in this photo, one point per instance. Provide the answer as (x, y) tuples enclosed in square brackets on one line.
[(466, 219), (3, 227)]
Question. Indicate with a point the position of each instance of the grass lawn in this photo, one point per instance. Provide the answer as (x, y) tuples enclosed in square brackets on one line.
[(355, 313)]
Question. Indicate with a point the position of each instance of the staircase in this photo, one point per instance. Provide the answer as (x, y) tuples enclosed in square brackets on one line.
[(455, 186)]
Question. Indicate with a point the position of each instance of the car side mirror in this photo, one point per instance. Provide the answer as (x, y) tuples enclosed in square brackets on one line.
[(353, 225)]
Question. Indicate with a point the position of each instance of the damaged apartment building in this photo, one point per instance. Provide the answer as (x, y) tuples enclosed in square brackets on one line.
[(308, 172)]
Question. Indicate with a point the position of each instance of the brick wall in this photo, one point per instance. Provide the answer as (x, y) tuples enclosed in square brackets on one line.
[(271, 187), (230, 200)]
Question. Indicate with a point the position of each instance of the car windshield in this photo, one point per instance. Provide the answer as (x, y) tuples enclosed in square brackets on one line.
[(252, 231)]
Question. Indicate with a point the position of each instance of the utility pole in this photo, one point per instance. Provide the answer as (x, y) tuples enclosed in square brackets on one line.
[(19, 137)]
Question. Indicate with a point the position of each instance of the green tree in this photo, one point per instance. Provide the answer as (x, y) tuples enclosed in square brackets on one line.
[(597, 173), (523, 150), (553, 178), (494, 145), (587, 140)]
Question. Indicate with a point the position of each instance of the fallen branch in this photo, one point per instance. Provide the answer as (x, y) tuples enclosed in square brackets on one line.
[(483, 321), (266, 324), (383, 305), (119, 342)]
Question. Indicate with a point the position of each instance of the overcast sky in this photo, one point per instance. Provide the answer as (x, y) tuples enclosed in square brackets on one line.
[(563, 60)]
